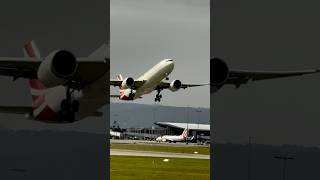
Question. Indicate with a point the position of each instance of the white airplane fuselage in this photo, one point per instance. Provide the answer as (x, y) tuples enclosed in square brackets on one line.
[(154, 76), (167, 138)]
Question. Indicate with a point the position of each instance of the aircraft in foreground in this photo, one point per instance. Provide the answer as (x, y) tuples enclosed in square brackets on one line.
[(152, 80), (64, 88), (221, 75), (174, 138)]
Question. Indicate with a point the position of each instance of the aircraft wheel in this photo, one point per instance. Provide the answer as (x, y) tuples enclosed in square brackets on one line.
[(71, 117), (75, 106), (65, 105)]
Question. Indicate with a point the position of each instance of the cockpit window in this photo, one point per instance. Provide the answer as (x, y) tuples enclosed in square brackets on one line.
[(169, 60)]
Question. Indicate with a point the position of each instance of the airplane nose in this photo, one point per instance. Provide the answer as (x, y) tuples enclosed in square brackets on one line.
[(169, 62)]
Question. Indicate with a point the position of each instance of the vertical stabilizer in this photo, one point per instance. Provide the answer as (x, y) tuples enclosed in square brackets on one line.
[(32, 52)]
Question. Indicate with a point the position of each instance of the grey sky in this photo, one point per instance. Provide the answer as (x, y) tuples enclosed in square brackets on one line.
[(143, 32), (268, 35)]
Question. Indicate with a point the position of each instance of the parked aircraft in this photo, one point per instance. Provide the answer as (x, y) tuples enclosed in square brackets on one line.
[(174, 138)]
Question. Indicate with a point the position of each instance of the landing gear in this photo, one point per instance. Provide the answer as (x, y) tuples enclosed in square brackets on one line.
[(158, 96), (69, 107)]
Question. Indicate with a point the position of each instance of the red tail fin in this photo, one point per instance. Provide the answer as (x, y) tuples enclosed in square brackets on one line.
[(120, 78), (185, 133), (36, 87)]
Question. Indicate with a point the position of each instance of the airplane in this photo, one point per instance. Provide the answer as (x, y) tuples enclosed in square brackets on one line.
[(115, 134), (64, 88), (131, 89), (173, 138), (221, 75)]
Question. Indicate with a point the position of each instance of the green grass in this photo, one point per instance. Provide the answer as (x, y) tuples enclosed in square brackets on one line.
[(162, 148), (152, 168)]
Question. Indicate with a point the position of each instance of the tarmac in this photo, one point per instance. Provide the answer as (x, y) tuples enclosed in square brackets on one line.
[(123, 152), (127, 141)]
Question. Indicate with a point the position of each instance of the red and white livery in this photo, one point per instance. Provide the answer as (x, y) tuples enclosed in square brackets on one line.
[(152, 80), (168, 138)]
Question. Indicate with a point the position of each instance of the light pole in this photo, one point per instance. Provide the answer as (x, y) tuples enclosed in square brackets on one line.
[(250, 157), (114, 121), (284, 159), (187, 124), (198, 111)]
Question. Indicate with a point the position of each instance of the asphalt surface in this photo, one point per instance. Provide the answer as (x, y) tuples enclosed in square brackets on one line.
[(122, 152), (128, 141)]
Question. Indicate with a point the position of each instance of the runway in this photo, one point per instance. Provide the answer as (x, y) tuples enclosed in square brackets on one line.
[(123, 152), (177, 144)]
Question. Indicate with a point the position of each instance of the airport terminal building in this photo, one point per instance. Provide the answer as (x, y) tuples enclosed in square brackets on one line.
[(198, 132)]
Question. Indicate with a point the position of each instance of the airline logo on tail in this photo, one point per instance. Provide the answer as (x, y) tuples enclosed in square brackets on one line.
[(121, 90), (184, 134), (119, 77), (40, 107), (124, 93)]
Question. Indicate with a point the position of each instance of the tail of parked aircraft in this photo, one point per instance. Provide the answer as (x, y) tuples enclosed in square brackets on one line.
[(184, 134)]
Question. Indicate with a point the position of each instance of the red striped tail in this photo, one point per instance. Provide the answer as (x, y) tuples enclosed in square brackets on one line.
[(185, 133), (120, 78), (36, 87)]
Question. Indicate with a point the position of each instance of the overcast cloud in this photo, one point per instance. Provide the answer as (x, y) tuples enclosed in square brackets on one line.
[(143, 32)]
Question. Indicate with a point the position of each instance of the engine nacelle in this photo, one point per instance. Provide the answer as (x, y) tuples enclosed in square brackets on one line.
[(57, 68), (129, 93), (127, 83), (175, 85), (219, 72)]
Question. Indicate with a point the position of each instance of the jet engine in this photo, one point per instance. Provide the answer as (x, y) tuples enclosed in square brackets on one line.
[(127, 83), (175, 85), (129, 94), (57, 68), (219, 72)]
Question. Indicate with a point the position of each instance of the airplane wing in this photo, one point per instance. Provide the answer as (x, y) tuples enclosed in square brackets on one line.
[(24, 68), (137, 83), (166, 85), (239, 77), (16, 109), (114, 96)]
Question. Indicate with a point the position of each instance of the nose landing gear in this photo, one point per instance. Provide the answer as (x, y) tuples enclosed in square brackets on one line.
[(158, 96)]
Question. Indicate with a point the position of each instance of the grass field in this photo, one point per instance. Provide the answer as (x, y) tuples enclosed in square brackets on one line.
[(161, 148), (151, 168)]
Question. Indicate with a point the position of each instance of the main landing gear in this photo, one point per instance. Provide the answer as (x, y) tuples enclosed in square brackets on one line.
[(158, 96), (69, 107)]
